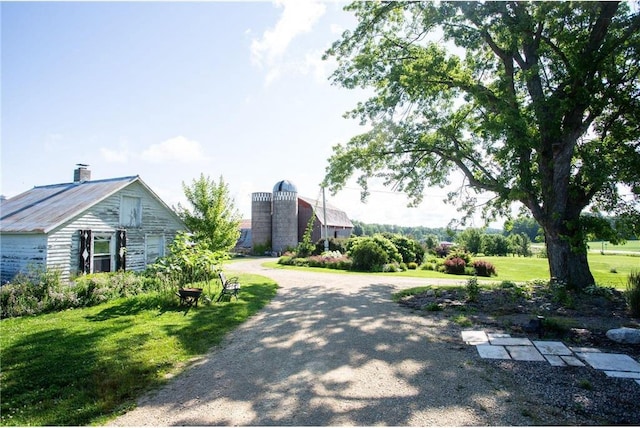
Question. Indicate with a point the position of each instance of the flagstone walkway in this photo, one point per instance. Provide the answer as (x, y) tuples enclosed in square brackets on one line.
[(505, 347)]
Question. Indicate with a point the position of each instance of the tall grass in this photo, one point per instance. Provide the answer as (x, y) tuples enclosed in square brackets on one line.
[(632, 293)]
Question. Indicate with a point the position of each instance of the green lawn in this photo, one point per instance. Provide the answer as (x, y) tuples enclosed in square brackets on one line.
[(82, 366), (606, 246), (608, 270)]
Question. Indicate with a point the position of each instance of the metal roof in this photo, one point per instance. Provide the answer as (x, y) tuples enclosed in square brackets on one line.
[(44, 208), (335, 216)]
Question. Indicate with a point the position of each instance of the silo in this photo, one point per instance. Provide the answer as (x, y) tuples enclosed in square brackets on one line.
[(261, 220), (284, 222)]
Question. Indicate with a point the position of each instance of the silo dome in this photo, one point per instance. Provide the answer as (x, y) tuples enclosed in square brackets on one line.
[(285, 186)]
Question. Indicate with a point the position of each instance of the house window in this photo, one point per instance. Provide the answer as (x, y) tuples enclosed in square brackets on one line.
[(155, 248), (131, 211), (102, 252)]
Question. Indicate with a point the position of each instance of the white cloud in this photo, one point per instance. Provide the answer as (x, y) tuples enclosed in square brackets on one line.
[(176, 149), (298, 17)]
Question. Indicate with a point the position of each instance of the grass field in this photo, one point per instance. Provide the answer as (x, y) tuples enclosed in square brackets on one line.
[(608, 270), (81, 366), (633, 246)]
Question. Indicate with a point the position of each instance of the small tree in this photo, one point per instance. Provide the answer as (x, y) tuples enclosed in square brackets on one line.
[(213, 217), (306, 247)]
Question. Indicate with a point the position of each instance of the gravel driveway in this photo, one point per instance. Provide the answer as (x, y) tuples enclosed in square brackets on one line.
[(334, 349)]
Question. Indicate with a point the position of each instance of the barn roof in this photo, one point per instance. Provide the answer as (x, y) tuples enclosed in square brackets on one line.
[(335, 216), (44, 208)]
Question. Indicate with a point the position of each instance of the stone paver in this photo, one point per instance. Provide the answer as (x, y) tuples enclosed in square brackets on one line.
[(613, 362), (630, 375), (552, 348), (510, 341), (555, 360), (578, 349), (525, 353), (475, 337), (504, 347), (493, 352), (572, 361)]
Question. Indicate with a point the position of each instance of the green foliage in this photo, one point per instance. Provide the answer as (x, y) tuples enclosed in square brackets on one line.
[(473, 289), (368, 256), (335, 244), (526, 225), (432, 307), (470, 239), (495, 245), (188, 262), (519, 244), (540, 109), (212, 217), (39, 291), (632, 293), (261, 249), (305, 248), (409, 249)]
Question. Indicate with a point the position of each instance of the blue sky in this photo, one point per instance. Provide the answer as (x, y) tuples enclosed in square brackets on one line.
[(170, 90)]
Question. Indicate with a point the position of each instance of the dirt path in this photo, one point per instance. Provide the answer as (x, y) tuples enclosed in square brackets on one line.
[(334, 349)]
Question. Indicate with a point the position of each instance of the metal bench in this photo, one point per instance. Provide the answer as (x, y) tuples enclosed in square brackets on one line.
[(230, 286)]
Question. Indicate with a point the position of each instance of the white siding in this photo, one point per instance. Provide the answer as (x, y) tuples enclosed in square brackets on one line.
[(64, 243), (19, 252)]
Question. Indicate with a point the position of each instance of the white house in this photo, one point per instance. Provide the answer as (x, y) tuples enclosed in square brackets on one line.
[(85, 226)]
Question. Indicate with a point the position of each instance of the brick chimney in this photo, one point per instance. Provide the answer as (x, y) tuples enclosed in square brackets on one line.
[(81, 173)]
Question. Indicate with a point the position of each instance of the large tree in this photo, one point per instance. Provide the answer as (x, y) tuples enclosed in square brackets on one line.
[(541, 106), (212, 217)]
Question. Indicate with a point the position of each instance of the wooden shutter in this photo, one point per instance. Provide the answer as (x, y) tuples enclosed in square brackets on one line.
[(85, 251), (121, 250)]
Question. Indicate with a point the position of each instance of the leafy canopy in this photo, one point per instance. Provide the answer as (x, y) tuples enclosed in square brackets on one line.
[(212, 217), (538, 103)]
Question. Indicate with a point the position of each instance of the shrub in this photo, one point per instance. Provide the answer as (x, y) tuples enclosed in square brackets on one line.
[(473, 289), (442, 250), (370, 254), (484, 268), (455, 266), (632, 294), (428, 266), (412, 265), (461, 254), (41, 291)]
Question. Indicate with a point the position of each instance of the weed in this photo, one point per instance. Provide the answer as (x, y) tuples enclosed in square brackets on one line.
[(462, 321), (585, 384), (632, 294), (432, 307)]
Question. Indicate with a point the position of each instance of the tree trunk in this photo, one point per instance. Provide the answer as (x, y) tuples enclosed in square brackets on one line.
[(568, 263)]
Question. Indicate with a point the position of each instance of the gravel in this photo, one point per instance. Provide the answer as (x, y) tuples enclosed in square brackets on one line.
[(333, 349)]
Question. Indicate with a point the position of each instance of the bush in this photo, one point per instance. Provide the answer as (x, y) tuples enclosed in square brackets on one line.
[(473, 289), (368, 256), (484, 268), (412, 265), (442, 250), (632, 294), (41, 291), (455, 266)]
